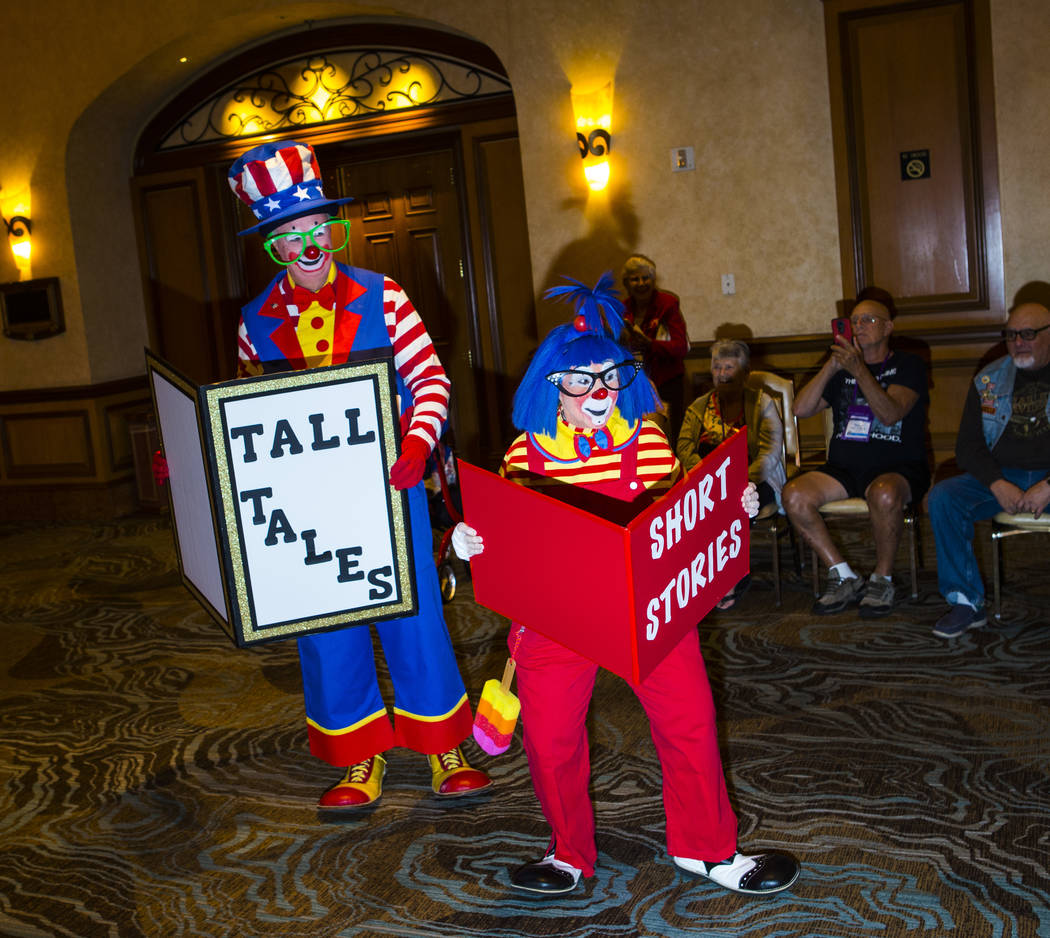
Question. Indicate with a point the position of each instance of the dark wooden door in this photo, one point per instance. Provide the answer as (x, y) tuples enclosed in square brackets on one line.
[(915, 152), (405, 223), (192, 323)]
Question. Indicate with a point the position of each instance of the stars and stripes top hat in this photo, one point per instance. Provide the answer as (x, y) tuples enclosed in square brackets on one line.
[(280, 181)]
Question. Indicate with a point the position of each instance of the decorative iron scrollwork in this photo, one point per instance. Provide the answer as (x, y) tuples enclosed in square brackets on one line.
[(597, 143), (330, 87), (18, 226)]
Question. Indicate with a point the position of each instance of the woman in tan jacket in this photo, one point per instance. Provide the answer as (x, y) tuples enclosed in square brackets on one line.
[(719, 413)]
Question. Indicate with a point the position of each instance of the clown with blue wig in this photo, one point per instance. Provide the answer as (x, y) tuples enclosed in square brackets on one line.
[(581, 407)]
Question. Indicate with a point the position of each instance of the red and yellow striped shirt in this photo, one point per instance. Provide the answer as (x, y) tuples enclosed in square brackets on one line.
[(657, 466)]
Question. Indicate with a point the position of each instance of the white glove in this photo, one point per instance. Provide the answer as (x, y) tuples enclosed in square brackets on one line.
[(467, 543), (748, 501)]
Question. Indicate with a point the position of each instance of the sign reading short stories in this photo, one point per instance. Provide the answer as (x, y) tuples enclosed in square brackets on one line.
[(308, 534), (622, 595)]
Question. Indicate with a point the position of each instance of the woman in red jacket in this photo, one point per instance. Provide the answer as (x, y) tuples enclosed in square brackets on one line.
[(656, 331)]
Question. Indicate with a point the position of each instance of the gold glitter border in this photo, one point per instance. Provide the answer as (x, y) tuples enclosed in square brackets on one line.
[(214, 396)]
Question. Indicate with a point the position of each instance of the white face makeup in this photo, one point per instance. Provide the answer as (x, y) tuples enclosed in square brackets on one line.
[(592, 411), (310, 269)]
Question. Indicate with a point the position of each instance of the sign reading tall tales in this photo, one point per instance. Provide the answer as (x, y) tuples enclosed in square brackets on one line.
[(285, 521)]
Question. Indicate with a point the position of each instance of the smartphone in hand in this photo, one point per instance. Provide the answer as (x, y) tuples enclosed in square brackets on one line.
[(843, 327)]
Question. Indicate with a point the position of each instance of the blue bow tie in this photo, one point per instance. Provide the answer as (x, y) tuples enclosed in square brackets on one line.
[(585, 443)]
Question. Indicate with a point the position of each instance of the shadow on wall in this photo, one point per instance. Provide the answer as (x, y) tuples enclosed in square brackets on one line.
[(611, 239), (734, 330)]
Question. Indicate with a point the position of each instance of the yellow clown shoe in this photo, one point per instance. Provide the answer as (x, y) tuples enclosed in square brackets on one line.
[(452, 775), (362, 784)]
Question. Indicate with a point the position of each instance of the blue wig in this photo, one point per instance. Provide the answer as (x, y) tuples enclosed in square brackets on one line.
[(591, 338)]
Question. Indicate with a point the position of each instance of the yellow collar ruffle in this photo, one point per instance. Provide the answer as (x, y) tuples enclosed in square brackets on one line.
[(565, 445)]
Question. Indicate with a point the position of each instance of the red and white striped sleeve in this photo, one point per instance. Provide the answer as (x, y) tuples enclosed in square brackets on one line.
[(417, 364), (248, 364)]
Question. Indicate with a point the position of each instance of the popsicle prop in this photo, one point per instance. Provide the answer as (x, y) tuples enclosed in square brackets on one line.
[(497, 713)]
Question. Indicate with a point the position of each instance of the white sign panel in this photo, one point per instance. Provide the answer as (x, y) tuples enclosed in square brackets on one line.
[(311, 534), (175, 402)]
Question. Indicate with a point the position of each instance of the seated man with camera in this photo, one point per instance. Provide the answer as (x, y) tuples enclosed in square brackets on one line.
[(877, 452)]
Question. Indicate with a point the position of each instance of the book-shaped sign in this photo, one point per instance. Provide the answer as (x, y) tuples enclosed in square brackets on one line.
[(621, 592), (285, 522)]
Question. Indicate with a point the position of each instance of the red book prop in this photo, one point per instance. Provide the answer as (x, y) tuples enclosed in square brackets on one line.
[(619, 592)]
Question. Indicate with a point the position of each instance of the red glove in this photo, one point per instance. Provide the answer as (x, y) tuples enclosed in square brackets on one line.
[(408, 470), (160, 468)]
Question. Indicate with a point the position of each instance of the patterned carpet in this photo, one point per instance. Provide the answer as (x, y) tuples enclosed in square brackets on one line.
[(155, 780)]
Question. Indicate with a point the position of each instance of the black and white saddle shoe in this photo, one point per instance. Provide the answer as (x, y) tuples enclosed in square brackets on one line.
[(760, 875), (548, 876)]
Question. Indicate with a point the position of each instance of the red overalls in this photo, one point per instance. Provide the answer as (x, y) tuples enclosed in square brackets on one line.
[(555, 687)]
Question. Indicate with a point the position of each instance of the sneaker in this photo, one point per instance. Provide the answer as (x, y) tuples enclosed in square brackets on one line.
[(839, 594), (878, 598), (959, 619)]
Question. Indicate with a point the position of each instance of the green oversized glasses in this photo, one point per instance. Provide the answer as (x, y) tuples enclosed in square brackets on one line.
[(329, 236)]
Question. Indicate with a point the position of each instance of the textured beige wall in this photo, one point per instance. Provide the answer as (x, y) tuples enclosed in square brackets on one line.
[(1022, 89), (742, 81)]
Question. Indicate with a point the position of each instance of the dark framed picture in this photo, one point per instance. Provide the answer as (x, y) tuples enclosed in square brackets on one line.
[(285, 521), (32, 309)]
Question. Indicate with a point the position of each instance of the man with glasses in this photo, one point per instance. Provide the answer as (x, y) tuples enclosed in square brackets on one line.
[(1003, 447), (878, 397), (316, 313)]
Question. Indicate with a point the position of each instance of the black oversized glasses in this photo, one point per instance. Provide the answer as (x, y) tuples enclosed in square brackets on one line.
[(578, 383), (1012, 335)]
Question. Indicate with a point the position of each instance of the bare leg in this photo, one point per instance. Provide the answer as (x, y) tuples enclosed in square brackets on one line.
[(802, 498), (886, 498)]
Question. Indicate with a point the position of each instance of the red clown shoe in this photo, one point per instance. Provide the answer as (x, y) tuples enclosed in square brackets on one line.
[(452, 775)]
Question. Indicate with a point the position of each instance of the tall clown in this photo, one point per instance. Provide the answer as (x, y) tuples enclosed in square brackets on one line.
[(581, 406), (315, 313)]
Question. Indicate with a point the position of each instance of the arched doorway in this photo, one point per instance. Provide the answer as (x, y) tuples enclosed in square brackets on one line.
[(417, 125)]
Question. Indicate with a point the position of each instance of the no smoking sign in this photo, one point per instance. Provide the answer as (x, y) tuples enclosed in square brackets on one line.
[(915, 164)]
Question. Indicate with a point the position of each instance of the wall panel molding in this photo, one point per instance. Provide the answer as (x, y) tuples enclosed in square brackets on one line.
[(67, 452)]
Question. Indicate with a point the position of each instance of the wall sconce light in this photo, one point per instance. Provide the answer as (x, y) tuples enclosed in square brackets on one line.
[(593, 112), (19, 230)]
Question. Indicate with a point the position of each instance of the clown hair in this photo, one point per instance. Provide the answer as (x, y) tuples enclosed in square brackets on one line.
[(590, 338)]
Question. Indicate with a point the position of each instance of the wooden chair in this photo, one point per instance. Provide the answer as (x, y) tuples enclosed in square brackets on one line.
[(1007, 525), (771, 521), (858, 508)]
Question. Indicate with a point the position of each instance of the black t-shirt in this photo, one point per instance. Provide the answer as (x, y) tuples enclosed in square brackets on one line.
[(904, 441), (1025, 441)]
